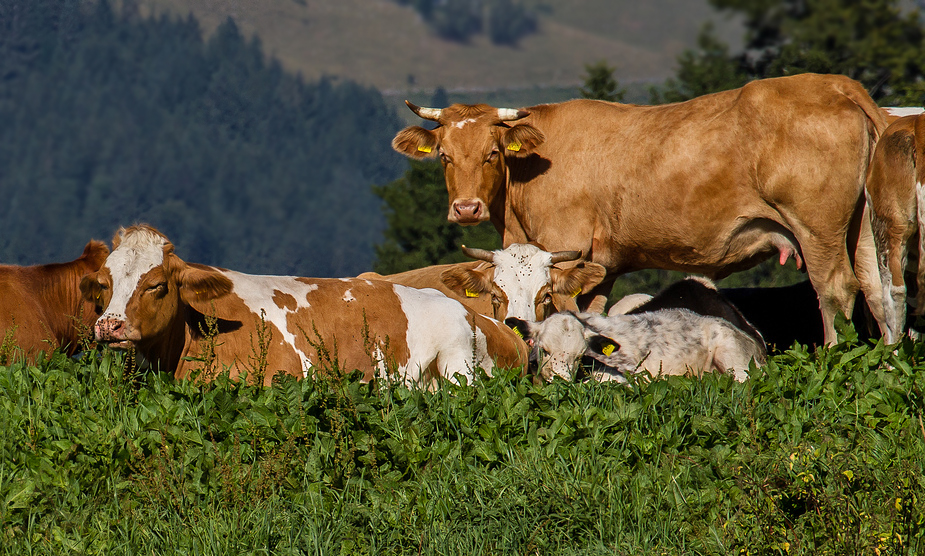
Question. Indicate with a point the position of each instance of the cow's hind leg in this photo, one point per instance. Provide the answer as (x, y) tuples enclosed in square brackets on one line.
[(892, 242), (833, 279), (869, 272)]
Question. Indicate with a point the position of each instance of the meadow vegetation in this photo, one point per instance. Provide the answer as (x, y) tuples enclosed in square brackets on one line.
[(819, 452)]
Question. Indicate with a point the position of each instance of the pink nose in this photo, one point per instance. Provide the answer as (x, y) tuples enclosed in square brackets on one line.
[(467, 210), (109, 329)]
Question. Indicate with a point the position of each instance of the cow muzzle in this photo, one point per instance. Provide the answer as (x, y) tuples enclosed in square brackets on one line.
[(468, 211), (112, 331)]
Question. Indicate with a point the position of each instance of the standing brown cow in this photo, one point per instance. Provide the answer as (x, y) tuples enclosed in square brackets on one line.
[(710, 186), (41, 306), (896, 195)]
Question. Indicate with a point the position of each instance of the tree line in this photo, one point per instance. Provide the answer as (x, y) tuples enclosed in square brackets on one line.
[(110, 118)]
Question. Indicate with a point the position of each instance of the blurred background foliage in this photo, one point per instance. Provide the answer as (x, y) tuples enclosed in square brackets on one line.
[(113, 117)]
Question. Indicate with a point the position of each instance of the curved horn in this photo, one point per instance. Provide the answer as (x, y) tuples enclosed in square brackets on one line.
[(479, 254), (426, 113), (511, 114), (562, 256)]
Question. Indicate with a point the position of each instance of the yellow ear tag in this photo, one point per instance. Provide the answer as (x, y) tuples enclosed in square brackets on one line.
[(514, 147), (470, 293), (576, 292), (424, 148), (518, 332), (608, 349)]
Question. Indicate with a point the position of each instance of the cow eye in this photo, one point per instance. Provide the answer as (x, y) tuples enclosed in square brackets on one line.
[(493, 156), (103, 286), (444, 158), (157, 287)]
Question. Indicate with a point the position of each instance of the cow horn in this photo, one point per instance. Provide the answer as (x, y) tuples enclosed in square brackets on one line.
[(479, 254), (562, 256), (510, 114), (426, 113)]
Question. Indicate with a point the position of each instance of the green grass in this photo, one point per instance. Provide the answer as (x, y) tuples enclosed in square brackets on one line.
[(818, 453)]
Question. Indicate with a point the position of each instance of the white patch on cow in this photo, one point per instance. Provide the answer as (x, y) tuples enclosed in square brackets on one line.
[(903, 110), (461, 124), (348, 297), (138, 252), (627, 303), (257, 293), (521, 271), (439, 330), (367, 282)]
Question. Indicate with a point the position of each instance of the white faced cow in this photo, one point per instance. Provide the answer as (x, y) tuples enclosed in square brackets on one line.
[(153, 301), (521, 281), (708, 186)]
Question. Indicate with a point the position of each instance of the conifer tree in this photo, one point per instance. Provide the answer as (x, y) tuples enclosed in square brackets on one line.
[(600, 83)]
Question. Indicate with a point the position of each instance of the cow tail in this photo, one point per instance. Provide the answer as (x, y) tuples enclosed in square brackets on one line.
[(918, 163)]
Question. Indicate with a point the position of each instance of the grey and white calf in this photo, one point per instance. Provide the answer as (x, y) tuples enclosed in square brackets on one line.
[(694, 293), (664, 342)]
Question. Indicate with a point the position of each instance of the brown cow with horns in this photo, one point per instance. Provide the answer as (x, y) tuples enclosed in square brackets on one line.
[(710, 186)]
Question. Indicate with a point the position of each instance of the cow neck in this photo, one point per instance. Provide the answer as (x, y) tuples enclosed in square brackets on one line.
[(503, 216), (166, 352), (60, 292)]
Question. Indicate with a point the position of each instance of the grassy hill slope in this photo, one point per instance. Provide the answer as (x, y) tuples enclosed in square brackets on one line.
[(383, 44)]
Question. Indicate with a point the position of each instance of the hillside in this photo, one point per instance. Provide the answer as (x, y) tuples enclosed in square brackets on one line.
[(383, 44)]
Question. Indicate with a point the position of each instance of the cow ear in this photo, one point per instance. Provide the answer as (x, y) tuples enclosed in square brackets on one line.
[(95, 253), (602, 345), (416, 142), (521, 140), (467, 282), (90, 288), (578, 279), (199, 284)]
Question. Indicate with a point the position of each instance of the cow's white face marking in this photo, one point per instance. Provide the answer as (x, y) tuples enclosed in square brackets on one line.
[(136, 255), (462, 123), (257, 293), (521, 271), (348, 297)]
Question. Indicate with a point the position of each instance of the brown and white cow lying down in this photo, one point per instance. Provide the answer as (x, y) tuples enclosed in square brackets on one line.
[(896, 196), (663, 342), (521, 281), (709, 186), (152, 300), (42, 306)]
